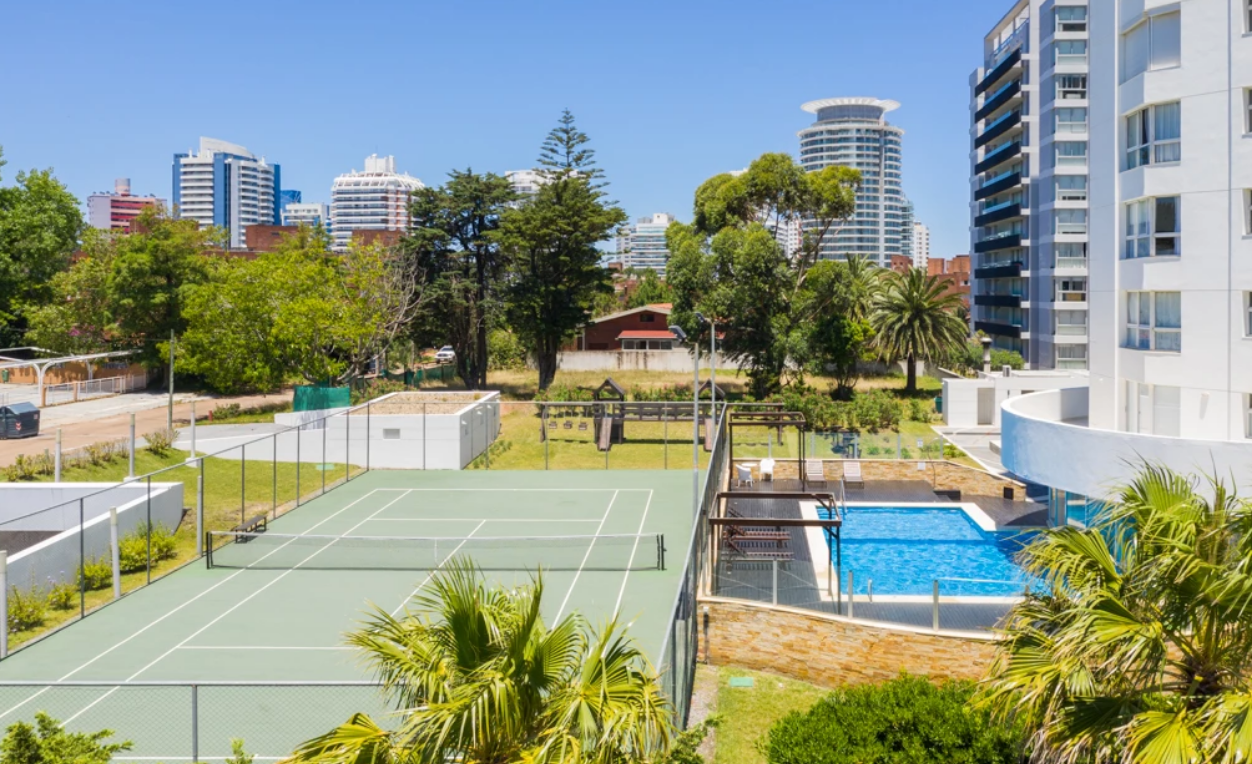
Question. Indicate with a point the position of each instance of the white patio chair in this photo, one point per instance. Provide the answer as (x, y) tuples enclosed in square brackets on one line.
[(743, 475), (767, 469)]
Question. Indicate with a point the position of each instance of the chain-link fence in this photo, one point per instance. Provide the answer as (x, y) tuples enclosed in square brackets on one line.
[(179, 721)]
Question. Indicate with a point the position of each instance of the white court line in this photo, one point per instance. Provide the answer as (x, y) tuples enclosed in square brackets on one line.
[(233, 608), (437, 568), (512, 490), (254, 648), (586, 556), (621, 593), (180, 607), (475, 519)]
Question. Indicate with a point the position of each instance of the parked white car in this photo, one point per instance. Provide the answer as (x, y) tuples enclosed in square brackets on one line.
[(445, 354)]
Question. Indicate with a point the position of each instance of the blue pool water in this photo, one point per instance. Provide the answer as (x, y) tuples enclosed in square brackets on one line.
[(904, 549)]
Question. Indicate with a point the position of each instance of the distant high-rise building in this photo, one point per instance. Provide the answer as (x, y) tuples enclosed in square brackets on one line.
[(307, 213), (289, 196), (225, 185), (854, 132), (375, 199), (114, 211), (525, 182), (643, 244), (921, 245)]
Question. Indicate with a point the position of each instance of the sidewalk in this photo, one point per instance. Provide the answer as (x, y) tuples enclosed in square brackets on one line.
[(79, 428)]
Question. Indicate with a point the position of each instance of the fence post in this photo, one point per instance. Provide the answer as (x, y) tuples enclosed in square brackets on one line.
[(299, 464), (543, 422), (274, 474), (149, 533), (199, 507), (325, 425), (115, 555), (82, 563), (898, 444), (4, 604), (773, 589), (367, 435), (850, 592), (425, 419), (131, 473), (193, 431), (935, 609), (57, 466), (195, 723), (347, 441), (665, 429), (243, 483)]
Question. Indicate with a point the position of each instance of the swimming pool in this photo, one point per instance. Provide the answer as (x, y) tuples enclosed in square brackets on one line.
[(904, 549)]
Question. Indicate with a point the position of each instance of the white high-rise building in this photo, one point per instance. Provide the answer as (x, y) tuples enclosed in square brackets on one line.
[(643, 245), (1028, 183), (307, 213), (225, 185), (921, 245), (854, 132), (375, 199), (525, 182), (1170, 290)]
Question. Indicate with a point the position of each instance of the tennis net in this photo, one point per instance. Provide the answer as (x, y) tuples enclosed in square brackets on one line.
[(277, 551)]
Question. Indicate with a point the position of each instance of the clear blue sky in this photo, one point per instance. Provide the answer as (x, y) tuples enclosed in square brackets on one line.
[(670, 92)]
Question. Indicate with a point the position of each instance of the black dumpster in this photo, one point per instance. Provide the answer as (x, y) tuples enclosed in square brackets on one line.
[(19, 420)]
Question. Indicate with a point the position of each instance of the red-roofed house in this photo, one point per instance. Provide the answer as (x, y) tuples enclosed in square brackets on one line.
[(645, 328)]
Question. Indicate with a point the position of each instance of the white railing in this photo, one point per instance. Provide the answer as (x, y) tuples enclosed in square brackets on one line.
[(1071, 262), (70, 392), (1071, 58), (1071, 329), (1071, 228)]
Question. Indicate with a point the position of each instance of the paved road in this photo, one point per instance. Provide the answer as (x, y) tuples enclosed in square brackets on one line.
[(104, 419)]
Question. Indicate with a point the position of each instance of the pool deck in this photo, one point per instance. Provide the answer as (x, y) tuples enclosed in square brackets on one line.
[(798, 582)]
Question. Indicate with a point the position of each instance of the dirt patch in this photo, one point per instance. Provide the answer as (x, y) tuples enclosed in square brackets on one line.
[(417, 404)]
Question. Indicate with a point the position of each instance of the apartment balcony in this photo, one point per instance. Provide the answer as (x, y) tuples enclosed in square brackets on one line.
[(1070, 300), (1072, 330), (998, 329), (999, 185), (998, 300), (1008, 94), (999, 213), (1011, 63), (998, 157), (1010, 270), (1071, 59), (999, 241), (1071, 229), (999, 127)]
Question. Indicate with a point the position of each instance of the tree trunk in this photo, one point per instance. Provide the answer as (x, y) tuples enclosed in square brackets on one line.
[(910, 385), (546, 360)]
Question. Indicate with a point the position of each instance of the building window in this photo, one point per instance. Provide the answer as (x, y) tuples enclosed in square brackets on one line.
[(1154, 135), (1247, 314), (1071, 120), (1071, 153), (1071, 18), (1156, 43), (1071, 86), (1071, 290), (1153, 228), (1071, 51), (647, 318), (1154, 321), (1070, 255), (1071, 188), (1247, 411), (1070, 221), (1247, 97)]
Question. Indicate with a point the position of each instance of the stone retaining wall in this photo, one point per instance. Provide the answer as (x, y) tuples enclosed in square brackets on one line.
[(830, 650), (945, 475)]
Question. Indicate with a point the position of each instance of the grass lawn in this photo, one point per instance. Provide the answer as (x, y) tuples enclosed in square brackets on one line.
[(747, 713), (230, 493)]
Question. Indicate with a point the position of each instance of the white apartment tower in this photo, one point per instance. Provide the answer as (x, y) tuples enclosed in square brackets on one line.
[(921, 245), (643, 245), (375, 199), (311, 214), (854, 132), (1028, 183), (225, 185)]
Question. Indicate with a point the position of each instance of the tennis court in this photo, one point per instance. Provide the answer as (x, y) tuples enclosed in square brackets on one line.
[(273, 611)]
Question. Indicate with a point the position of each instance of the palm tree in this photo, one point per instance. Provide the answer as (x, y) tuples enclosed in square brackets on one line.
[(915, 318), (1140, 649), (476, 677)]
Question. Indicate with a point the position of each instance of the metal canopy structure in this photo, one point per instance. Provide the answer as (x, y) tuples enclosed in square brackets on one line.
[(8, 360)]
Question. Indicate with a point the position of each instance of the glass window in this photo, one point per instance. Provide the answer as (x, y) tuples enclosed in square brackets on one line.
[(1166, 40), (1071, 221), (1071, 18), (1071, 153), (1154, 135), (1154, 321), (1135, 45), (1072, 120), (1167, 227), (1247, 311), (1247, 403), (1071, 188), (1071, 86), (1153, 228)]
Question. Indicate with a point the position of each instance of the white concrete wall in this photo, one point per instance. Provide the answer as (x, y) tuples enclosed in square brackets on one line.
[(55, 506), (960, 396), (312, 420), (56, 559), (635, 360), (1037, 446)]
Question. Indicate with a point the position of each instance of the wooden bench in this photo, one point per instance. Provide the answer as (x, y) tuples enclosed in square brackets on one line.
[(255, 524)]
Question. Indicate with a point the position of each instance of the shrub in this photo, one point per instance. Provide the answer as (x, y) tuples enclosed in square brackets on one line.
[(664, 393), (952, 452), (96, 574), (494, 451), (683, 751), (26, 610), (903, 720), (375, 388), (132, 549), (62, 596), (918, 410), (237, 753), (161, 441), (505, 351), (905, 453), (561, 392), (226, 411), (50, 743)]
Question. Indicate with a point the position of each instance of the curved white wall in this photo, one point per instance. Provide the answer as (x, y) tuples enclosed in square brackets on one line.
[(1037, 446)]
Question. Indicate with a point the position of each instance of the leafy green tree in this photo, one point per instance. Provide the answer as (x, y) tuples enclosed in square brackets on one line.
[(839, 334), (728, 265), (650, 290), (915, 318), (476, 676), (79, 316), (1139, 650), (47, 742), (551, 239), (903, 721), (453, 241), (39, 227)]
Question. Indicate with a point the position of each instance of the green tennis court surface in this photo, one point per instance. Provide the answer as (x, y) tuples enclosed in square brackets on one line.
[(274, 610)]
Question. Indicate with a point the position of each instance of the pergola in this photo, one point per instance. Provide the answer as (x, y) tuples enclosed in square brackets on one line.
[(41, 365)]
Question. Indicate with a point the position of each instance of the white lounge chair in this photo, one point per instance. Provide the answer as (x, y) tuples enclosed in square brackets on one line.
[(767, 469), (852, 477), (813, 472), (743, 475)]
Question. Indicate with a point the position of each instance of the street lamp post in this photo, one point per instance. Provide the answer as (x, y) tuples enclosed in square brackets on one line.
[(712, 362), (681, 336)]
